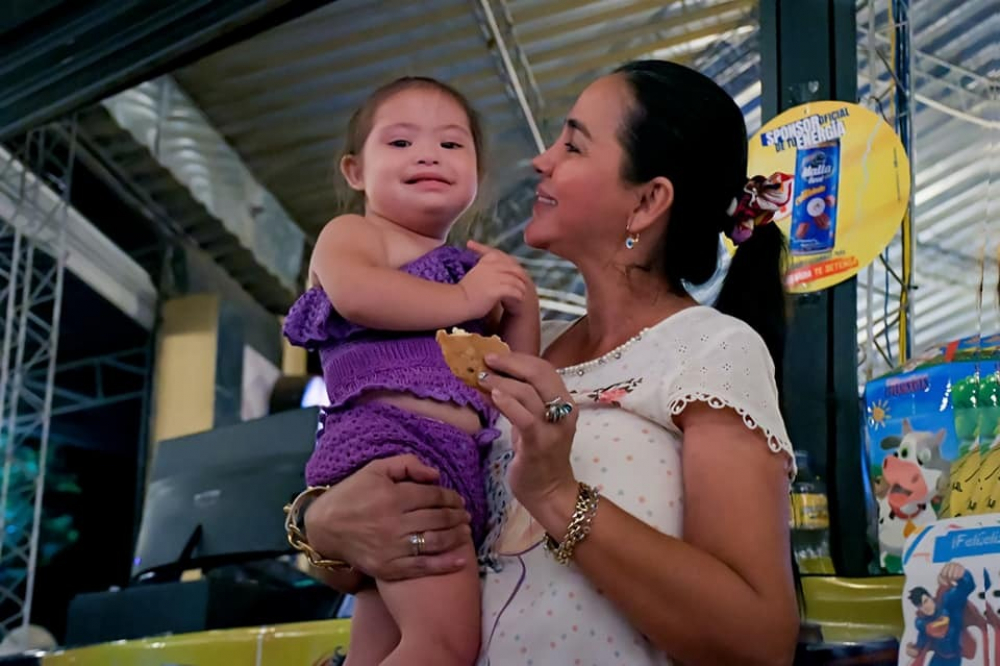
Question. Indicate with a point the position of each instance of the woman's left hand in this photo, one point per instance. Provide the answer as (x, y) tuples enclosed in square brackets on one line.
[(541, 468)]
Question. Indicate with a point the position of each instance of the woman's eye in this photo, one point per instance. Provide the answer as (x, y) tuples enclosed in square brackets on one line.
[(399, 143), (571, 148)]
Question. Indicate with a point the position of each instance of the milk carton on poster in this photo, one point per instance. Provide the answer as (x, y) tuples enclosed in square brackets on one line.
[(951, 594)]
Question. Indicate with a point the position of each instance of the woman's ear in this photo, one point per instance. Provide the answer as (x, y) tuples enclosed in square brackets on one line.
[(656, 198), (350, 166)]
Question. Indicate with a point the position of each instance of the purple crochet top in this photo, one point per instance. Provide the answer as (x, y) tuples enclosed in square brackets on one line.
[(356, 359)]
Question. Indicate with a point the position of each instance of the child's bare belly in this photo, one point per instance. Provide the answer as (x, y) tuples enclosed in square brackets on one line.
[(464, 418)]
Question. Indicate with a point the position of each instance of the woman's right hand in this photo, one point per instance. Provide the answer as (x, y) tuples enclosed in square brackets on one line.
[(367, 520)]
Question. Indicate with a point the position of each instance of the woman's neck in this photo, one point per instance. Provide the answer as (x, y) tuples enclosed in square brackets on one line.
[(619, 306)]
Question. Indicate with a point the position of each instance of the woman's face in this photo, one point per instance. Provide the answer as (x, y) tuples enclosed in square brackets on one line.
[(582, 204)]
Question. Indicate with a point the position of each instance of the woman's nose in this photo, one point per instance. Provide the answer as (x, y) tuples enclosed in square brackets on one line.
[(541, 163)]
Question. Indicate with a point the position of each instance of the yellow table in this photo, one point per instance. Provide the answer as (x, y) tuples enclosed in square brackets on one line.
[(299, 644), (848, 609), (854, 609)]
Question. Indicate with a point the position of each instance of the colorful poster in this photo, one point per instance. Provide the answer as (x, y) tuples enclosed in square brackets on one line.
[(950, 605), (850, 187), (932, 441)]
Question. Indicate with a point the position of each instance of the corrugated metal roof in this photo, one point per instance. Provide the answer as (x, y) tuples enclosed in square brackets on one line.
[(282, 99)]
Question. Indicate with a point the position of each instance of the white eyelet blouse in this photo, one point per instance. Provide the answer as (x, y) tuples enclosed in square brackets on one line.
[(537, 612)]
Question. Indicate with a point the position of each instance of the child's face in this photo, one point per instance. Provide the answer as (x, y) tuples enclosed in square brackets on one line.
[(418, 165)]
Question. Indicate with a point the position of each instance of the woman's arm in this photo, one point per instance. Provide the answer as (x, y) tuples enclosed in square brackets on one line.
[(724, 595), (367, 519), (521, 330)]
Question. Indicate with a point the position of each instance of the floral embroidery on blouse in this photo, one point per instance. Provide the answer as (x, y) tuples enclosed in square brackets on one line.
[(611, 395)]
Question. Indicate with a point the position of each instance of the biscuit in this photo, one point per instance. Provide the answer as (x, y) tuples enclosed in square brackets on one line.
[(464, 352)]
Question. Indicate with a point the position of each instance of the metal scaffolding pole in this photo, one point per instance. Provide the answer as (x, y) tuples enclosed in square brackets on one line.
[(31, 281), (514, 66)]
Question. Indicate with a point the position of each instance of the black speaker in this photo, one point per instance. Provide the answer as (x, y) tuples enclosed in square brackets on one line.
[(175, 608)]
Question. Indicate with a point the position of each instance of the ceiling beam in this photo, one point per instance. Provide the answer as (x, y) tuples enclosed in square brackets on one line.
[(64, 60), (498, 30), (736, 9), (597, 63)]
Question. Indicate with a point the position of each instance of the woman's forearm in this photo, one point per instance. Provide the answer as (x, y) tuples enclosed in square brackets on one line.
[(685, 601)]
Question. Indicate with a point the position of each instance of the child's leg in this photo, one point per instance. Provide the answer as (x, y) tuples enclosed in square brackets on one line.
[(374, 634), (438, 617)]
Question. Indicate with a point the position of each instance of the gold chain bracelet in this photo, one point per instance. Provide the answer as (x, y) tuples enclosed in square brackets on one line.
[(297, 536), (587, 499)]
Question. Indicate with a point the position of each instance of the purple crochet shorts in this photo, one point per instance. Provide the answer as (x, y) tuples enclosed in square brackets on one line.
[(353, 436)]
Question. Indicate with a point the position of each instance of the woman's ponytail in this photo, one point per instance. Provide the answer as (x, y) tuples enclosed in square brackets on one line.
[(754, 290)]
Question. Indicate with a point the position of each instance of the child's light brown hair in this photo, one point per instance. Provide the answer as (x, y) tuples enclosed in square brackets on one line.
[(360, 124)]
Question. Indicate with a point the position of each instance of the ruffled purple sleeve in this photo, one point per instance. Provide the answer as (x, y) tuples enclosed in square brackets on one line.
[(312, 322)]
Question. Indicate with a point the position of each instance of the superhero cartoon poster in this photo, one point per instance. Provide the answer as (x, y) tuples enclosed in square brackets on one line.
[(932, 443), (950, 594)]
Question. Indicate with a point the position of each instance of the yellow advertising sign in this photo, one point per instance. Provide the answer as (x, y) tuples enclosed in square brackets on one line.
[(850, 188)]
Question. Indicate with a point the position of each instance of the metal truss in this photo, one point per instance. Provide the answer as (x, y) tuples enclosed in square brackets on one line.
[(97, 381), (31, 282), (497, 25)]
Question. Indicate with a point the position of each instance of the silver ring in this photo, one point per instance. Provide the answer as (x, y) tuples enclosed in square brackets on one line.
[(557, 409), (417, 542)]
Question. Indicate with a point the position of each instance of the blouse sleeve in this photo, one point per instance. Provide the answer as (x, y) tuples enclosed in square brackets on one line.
[(728, 366)]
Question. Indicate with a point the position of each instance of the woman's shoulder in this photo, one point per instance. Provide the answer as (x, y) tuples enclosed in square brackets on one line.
[(699, 322), (703, 355), (702, 332)]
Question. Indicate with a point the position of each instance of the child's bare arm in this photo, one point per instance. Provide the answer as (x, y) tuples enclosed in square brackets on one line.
[(348, 582), (517, 321), (350, 264)]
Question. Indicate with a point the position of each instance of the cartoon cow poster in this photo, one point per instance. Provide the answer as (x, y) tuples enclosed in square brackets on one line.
[(928, 430), (914, 479)]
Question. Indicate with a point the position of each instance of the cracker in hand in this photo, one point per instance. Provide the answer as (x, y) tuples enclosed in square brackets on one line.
[(464, 353)]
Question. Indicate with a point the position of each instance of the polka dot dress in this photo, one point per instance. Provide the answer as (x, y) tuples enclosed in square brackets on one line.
[(536, 611)]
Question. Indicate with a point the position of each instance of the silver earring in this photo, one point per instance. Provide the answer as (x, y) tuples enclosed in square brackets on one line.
[(631, 241)]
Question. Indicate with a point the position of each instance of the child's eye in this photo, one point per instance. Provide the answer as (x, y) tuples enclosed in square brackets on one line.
[(399, 143), (450, 145), (571, 148)]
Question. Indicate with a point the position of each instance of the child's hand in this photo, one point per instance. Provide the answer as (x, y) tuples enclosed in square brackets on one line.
[(497, 278)]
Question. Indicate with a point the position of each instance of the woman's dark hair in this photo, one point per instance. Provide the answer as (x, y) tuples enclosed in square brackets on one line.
[(684, 127)]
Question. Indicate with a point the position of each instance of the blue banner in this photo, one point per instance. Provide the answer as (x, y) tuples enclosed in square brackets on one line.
[(967, 543)]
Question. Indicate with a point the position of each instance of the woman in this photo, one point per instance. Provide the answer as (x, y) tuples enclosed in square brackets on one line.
[(664, 488)]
